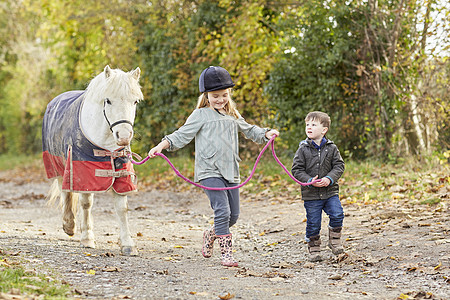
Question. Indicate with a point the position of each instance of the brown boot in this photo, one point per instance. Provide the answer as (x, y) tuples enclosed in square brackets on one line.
[(226, 248), (334, 241), (314, 248), (209, 236)]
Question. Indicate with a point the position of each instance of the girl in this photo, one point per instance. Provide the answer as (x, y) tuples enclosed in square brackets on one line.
[(215, 124)]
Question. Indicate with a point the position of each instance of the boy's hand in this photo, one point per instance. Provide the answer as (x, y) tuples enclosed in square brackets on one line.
[(322, 183)]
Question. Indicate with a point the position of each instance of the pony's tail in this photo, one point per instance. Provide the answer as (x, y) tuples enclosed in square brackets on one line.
[(55, 192), (68, 202)]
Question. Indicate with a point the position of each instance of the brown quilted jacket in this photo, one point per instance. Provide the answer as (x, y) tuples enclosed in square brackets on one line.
[(326, 162)]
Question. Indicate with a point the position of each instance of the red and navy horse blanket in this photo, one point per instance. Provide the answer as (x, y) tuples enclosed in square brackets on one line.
[(83, 166)]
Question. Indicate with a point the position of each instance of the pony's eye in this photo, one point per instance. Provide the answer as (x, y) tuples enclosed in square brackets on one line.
[(108, 101), (136, 102)]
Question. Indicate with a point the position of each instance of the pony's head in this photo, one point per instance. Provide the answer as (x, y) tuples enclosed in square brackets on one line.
[(118, 92)]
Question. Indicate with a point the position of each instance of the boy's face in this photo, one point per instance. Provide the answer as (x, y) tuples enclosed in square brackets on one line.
[(314, 130)]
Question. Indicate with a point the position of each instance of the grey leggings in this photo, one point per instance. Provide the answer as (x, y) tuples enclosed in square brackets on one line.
[(224, 203)]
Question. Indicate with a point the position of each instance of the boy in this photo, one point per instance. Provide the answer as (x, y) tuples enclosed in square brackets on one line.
[(318, 157)]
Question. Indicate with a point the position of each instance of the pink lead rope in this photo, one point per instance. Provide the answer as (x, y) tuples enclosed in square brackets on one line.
[(271, 142)]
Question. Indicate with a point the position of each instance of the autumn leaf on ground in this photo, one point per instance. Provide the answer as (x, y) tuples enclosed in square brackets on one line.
[(226, 296)]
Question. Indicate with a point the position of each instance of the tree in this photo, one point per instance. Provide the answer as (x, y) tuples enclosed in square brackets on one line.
[(365, 63), (315, 72), (179, 39)]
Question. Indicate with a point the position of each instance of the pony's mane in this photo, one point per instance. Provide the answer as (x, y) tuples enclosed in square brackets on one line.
[(119, 85)]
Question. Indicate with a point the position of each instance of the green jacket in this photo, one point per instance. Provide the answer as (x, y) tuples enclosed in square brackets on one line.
[(326, 162), (216, 142)]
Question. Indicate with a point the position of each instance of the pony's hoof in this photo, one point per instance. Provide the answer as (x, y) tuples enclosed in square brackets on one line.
[(69, 229), (129, 251), (88, 244)]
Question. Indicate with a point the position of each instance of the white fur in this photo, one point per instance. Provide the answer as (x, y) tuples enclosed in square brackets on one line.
[(123, 91)]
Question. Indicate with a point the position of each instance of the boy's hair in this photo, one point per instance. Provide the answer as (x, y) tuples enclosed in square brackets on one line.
[(230, 107), (319, 116)]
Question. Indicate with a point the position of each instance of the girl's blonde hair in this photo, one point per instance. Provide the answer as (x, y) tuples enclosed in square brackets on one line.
[(230, 107)]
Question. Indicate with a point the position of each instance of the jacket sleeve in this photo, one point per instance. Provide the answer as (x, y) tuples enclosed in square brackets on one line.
[(337, 164), (299, 166), (186, 133), (253, 132)]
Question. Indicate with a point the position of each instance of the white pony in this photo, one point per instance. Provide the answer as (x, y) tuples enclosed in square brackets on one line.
[(86, 137)]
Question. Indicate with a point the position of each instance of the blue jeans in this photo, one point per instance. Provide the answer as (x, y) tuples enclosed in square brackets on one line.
[(224, 203), (331, 206)]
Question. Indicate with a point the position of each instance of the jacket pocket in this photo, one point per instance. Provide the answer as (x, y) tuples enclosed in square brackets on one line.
[(208, 152)]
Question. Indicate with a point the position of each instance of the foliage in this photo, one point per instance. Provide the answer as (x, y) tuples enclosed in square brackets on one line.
[(16, 280), (51, 47), (356, 61), (178, 46), (379, 68), (22, 61), (315, 72)]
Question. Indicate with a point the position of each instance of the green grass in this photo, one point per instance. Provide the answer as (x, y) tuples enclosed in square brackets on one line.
[(11, 161), (367, 182), (14, 278)]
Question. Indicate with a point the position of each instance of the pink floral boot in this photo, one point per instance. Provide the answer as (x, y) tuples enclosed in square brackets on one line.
[(226, 248), (209, 236)]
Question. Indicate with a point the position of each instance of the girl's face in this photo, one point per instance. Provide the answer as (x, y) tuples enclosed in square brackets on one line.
[(314, 130), (218, 99)]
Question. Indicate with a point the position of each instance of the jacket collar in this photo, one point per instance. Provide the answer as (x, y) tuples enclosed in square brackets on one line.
[(310, 142)]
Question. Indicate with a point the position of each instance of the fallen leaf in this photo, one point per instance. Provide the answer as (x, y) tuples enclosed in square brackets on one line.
[(411, 268), (309, 265), (335, 277), (111, 269), (276, 279), (403, 296), (281, 265), (226, 296)]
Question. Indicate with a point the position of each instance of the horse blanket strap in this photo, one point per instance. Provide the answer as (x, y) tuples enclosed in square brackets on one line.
[(114, 154), (111, 173), (69, 154)]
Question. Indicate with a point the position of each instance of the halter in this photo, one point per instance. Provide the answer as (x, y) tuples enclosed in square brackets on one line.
[(115, 123)]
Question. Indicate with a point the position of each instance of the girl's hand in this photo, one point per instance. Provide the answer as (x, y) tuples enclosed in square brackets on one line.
[(160, 147), (154, 150), (271, 133)]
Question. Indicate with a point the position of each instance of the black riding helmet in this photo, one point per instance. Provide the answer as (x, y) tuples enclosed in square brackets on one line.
[(214, 79)]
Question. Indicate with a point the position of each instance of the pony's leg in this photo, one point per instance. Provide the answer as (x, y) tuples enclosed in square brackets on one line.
[(127, 246), (87, 235), (68, 213)]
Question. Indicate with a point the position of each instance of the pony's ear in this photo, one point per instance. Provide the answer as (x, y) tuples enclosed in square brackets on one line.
[(107, 71), (136, 73)]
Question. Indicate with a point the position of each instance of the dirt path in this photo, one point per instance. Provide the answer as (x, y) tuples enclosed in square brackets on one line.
[(396, 252)]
